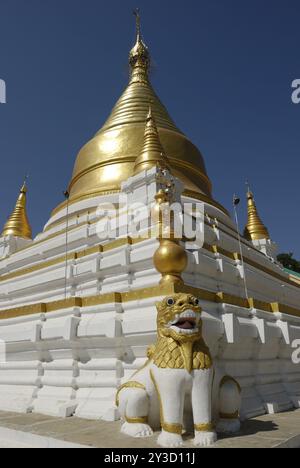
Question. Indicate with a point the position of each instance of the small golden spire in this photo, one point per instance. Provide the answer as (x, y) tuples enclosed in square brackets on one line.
[(139, 57), (255, 229), (152, 154), (17, 224)]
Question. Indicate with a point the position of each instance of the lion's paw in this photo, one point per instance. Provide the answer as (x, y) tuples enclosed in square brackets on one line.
[(205, 439), (228, 426), (168, 440), (137, 430)]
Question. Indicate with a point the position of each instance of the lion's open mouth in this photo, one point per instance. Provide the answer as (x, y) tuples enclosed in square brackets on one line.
[(186, 324)]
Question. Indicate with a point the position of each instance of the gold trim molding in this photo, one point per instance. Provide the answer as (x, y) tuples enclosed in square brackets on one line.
[(147, 293), (130, 241), (195, 195), (72, 256)]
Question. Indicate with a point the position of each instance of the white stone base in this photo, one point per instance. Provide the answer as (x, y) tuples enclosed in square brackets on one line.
[(18, 399), (93, 404), (55, 401)]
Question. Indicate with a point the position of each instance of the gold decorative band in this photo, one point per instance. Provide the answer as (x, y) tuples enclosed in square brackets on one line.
[(142, 420), (208, 427), (230, 416), (172, 428), (145, 293), (131, 384)]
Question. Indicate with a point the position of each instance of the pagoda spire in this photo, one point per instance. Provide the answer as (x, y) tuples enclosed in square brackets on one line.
[(108, 159), (152, 154), (17, 224), (139, 57), (255, 229)]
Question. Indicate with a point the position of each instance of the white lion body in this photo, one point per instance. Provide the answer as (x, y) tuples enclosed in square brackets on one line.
[(178, 388), (173, 395)]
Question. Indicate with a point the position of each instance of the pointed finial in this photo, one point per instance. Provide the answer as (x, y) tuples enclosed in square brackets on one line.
[(139, 57), (255, 229), (17, 224), (250, 195), (248, 186), (24, 186), (152, 154), (137, 15)]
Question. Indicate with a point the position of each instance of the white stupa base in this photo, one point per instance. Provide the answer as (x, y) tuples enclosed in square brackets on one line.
[(65, 358), (17, 399)]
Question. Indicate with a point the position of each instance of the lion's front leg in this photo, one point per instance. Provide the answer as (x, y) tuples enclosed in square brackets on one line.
[(134, 408), (205, 434), (170, 386)]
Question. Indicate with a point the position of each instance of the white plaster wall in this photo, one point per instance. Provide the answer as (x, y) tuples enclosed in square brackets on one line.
[(72, 361)]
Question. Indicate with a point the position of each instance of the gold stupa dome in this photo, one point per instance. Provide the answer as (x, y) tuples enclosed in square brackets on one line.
[(255, 228), (109, 158)]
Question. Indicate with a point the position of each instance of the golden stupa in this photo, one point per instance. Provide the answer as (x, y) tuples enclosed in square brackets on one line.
[(152, 153), (255, 228), (18, 224), (109, 158)]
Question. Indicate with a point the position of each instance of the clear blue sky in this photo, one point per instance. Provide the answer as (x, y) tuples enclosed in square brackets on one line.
[(223, 68)]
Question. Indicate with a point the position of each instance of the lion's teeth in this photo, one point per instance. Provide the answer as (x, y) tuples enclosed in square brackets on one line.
[(183, 331), (188, 314)]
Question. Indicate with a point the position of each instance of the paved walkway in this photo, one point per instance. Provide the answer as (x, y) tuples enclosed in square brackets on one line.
[(34, 430)]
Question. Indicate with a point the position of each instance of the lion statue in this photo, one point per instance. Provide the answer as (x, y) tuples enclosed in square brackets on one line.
[(174, 389)]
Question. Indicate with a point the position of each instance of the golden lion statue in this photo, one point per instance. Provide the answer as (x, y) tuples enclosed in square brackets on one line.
[(175, 385)]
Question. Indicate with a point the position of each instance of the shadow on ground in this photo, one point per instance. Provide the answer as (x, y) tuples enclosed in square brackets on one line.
[(252, 427)]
